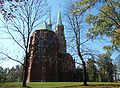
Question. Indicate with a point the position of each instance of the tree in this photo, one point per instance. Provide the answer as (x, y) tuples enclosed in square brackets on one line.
[(92, 70), (4, 74), (19, 73), (14, 74), (74, 22), (75, 19), (106, 23), (10, 75), (21, 18), (106, 69), (115, 72)]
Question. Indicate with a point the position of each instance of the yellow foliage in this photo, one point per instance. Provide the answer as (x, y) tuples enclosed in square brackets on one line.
[(116, 36)]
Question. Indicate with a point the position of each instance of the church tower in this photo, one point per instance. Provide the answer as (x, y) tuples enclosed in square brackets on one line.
[(60, 33)]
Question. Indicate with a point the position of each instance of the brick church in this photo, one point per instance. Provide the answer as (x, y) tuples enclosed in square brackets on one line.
[(48, 59)]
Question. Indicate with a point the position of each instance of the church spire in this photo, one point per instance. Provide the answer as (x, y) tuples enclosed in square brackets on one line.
[(59, 19), (49, 18), (49, 21), (60, 33)]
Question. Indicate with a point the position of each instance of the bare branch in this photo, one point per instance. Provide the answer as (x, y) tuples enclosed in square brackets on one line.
[(11, 58)]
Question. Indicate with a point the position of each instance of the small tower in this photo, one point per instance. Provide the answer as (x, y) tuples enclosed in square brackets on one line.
[(44, 26), (60, 33), (49, 21)]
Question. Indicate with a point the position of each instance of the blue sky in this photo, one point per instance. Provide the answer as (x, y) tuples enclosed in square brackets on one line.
[(54, 6)]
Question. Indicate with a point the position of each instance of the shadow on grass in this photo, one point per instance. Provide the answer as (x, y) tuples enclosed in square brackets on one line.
[(26, 87), (13, 87), (93, 86)]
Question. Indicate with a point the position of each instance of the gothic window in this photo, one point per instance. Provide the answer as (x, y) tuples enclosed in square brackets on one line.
[(40, 46)]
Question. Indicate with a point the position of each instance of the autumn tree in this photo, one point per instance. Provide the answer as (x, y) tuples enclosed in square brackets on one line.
[(20, 18), (106, 23)]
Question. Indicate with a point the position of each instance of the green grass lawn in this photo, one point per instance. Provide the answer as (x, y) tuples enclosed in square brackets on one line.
[(62, 85)]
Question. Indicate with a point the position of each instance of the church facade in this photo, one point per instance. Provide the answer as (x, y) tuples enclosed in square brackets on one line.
[(48, 60)]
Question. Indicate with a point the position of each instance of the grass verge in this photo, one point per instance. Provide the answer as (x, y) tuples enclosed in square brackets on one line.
[(61, 85)]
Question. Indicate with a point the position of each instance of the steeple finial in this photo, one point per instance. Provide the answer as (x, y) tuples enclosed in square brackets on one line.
[(59, 19)]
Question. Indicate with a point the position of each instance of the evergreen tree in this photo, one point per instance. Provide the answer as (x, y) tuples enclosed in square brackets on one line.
[(92, 70), (106, 69)]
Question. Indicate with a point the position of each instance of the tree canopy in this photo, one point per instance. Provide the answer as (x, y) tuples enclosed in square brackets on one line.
[(106, 22)]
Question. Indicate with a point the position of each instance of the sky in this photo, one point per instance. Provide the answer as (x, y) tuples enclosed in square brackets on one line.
[(54, 6)]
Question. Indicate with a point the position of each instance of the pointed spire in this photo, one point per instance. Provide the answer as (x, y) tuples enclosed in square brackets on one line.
[(59, 19), (49, 18)]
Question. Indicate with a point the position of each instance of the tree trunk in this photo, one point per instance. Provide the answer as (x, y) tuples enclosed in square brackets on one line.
[(84, 74), (25, 71), (24, 77), (84, 68), (83, 62)]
